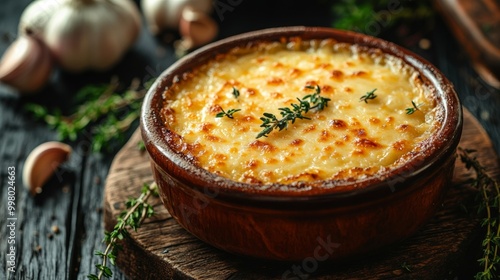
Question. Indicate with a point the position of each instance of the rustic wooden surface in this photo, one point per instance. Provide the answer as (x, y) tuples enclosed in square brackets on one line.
[(469, 21), (74, 201), (437, 249)]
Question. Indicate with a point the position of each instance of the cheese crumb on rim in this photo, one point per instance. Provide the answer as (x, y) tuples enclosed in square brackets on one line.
[(348, 139)]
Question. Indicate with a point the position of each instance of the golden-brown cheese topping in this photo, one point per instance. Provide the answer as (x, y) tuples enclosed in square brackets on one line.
[(349, 138)]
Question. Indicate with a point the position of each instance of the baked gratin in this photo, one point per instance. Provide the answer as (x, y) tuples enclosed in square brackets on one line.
[(376, 113)]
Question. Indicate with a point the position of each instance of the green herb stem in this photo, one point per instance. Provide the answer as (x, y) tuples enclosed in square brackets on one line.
[(102, 112), (368, 96), (358, 14), (236, 92), (137, 210), (490, 199), (308, 102), (228, 114), (414, 108)]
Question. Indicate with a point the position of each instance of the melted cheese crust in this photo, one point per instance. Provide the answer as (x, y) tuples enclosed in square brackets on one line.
[(348, 139)]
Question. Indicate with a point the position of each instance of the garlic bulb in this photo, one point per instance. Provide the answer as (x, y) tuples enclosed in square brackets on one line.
[(166, 14), (26, 65), (83, 34), (196, 28)]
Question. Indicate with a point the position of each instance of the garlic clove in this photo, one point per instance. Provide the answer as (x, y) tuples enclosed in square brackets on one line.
[(26, 65), (196, 28), (42, 163), (163, 15)]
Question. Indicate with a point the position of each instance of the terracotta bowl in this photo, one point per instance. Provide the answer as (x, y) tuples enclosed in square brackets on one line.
[(283, 222)]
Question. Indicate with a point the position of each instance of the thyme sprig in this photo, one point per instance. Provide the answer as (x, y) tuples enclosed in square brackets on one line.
[(137, 210), (102, 113), (489, 192), (406, 267), (413, 109), (359, 15), (308, 102), (369, 95), (318, 101), (228, 114)]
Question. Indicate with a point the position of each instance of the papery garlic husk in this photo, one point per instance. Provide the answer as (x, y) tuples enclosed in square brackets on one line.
[(83, 34), (42, 163), (196, 28), (26, 65), (163, 15)]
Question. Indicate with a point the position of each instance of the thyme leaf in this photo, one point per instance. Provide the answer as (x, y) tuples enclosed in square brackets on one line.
[(413, 109), (236, 92), (369, 95), (228, 114), (489, 193), (359, 15), (406, 267), (137, 210), (318, 101), (103, 114)]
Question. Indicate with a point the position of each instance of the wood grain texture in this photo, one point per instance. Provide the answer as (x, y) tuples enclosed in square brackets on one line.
[(162, 249), (469, 21), (35, 240)]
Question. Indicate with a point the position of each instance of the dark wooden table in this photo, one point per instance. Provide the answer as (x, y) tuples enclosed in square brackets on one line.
[(74, 204)]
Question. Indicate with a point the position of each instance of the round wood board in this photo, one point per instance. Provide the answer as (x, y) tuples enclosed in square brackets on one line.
[(161, 249)]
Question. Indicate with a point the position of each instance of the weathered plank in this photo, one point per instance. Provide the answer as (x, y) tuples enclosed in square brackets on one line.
[(37, 245), (161, 248), (480, 99), (91, 233)]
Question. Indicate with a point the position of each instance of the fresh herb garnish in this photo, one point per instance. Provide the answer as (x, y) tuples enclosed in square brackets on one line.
[(489, 193), (413, 109), (228, 114), (406, 266), (137, 210), (308, 102), (363, 15), (318, 101), (141, 146), (236, 92), (102, 112), (369, 95)]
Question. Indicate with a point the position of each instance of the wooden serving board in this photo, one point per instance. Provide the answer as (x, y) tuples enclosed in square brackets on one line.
[(161, 249)]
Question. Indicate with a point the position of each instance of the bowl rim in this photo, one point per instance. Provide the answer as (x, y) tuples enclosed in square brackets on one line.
[(437, 149)]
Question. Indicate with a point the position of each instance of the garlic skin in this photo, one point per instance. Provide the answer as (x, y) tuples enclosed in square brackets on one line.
[(83, 34), (26, 65), (196, 28), (41, 164), (163, 15), (36, 16)]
